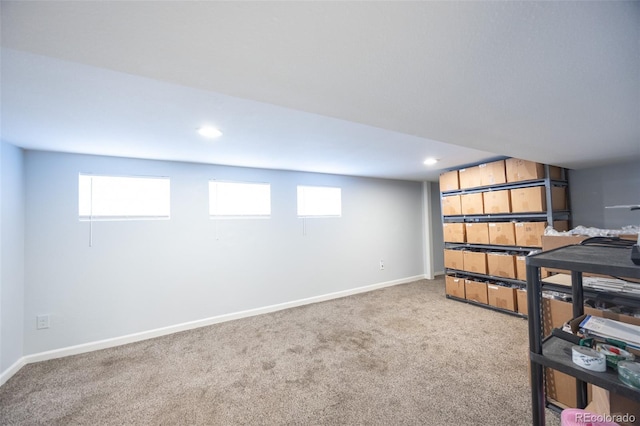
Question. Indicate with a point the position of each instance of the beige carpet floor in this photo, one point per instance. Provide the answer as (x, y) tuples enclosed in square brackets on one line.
[(403, 355)]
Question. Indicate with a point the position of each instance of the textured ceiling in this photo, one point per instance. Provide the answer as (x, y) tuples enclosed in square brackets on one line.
[(362, 88)]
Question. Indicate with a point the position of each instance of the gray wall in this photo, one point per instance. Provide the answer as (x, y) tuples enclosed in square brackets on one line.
[(437, 236), (11, 255), (593, 189), (142, 275)]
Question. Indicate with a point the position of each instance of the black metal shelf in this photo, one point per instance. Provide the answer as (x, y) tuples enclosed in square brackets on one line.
[(548, 215), (614, 261), (556, 354), (495, 247), (505, 217), (522, 284), (500, 187), (552, 353), (484, 305)]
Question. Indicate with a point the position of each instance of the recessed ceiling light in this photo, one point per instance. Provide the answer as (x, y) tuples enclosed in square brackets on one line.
[(430, 161), (209, 132)]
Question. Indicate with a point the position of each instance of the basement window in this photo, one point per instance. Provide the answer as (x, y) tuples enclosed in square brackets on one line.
[(239, 199), (123, 198), (319, 201)]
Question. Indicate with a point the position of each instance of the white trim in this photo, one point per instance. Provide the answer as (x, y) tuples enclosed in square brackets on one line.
[(427, 236), (9, 372), (150, 334)]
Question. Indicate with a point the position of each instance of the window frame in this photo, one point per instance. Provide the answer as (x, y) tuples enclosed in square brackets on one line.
[(235, 215), (312, 216), (127, 217)]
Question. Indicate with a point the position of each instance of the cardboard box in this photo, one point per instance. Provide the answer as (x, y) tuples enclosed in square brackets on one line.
[(560, 387), (519, 170), (521, 298), (449, 181), (454, 286), (472, 203), (554, 314), (492, 173), (453, 232), (501, 265), (550, 242), (475, 261), (451, 205), (525, 200), (469, 177), (502, 297), (627, 319), (476, 291), (502, 233), (477, 232), (533, 199), (497, 201), (529, 234), (453, 259), (559, 198), (521, 268), (604, 402)]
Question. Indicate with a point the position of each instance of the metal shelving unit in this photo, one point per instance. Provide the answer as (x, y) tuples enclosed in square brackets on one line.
[(549, 216), (554, 352)]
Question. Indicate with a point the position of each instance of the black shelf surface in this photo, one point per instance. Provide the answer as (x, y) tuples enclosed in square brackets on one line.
[(522, 284), (484, 305), (500, 187), (593, 259), (505, 217), (496, 247), (556, 354)]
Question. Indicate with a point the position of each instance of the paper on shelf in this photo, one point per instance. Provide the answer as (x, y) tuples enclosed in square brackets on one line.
[(597, 283), (608, 328)]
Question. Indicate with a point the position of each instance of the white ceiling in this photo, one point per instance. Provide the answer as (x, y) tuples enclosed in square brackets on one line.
[(358, 88)]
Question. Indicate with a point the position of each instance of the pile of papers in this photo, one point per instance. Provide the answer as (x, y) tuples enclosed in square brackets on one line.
[(611, 329), (611, 284), (598, 283)]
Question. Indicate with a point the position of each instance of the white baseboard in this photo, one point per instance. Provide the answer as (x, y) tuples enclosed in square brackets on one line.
[(9, 372), (150, 334)]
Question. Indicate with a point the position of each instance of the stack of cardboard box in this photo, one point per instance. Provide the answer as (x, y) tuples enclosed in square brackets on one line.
[(486, 200), (480, 192)]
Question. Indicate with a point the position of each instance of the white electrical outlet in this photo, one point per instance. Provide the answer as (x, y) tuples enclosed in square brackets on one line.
[(42, 321), (382, 265)]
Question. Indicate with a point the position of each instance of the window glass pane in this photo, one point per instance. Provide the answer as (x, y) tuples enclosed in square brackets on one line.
[(116, 197), (319, 201), (239, 199)]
